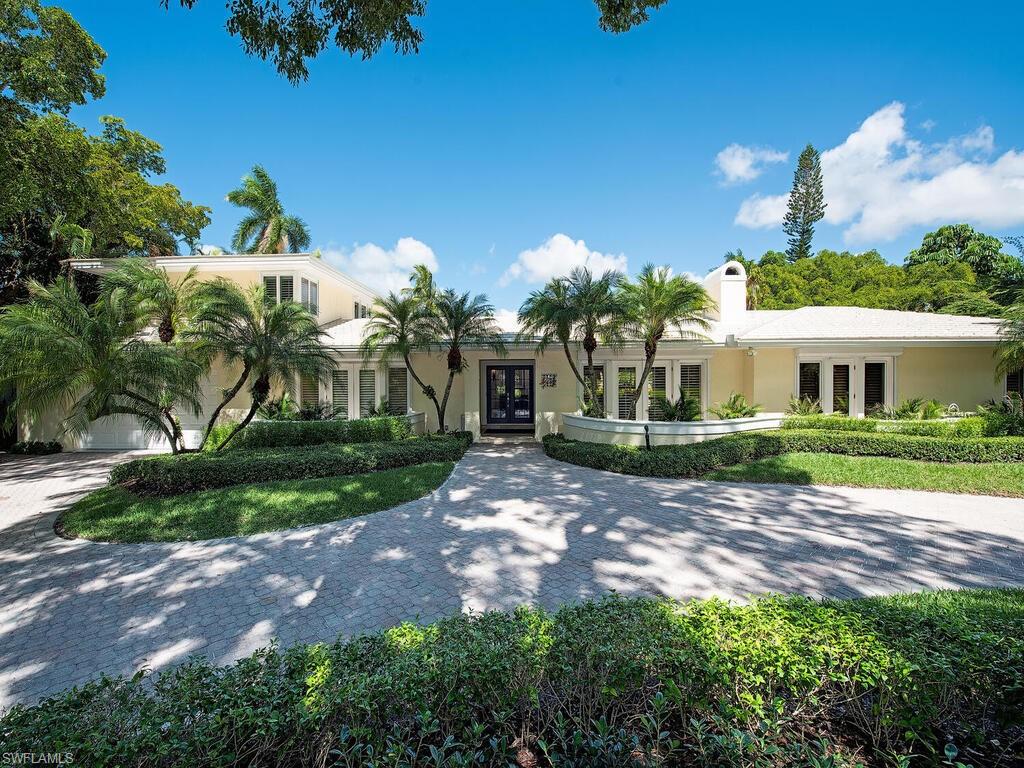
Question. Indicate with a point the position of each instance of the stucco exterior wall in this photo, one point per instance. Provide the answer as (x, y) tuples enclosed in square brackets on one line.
[(726, 375), (433, 370), (773, 378), (961, 375)]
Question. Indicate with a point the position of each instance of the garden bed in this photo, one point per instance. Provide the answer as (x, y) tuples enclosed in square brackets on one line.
[(117, 515), (617, 682), (701, 458)]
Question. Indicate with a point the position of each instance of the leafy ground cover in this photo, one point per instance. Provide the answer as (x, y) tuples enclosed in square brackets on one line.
[(921, 679)]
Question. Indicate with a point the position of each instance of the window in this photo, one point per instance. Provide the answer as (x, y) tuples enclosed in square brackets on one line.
[(279, 288), (874, 386), (398, 391), (355, 313), (841, 389), (627, 383), (689, 379), (1015, 382), (365, 309), (310, 295), (810, 381), (309, 391), (367, 391), (339, 394), (656, 388)]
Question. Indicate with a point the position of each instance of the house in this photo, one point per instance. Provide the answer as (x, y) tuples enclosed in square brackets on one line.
[(851, 359)]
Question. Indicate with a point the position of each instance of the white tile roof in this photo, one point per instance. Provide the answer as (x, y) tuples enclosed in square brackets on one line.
[(845, 323)]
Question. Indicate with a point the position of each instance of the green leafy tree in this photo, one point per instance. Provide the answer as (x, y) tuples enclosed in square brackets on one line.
[(399, 325), (457, 320), (171, 303), (1001, 273), (1010, 353), (63, 192), (290, 34), (655, 303), (806, 204), (274, 343), (91, 361), (266, 229)]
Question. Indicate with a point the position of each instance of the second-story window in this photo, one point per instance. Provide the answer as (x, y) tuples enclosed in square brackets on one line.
[(310, 292), (279, 288)]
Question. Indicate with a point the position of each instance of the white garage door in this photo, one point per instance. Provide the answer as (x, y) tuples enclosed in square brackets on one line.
[(119, 434)]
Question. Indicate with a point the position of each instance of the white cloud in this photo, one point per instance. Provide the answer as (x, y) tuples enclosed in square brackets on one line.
[(381, 268), (881, 182), (556, 257), (507, 319), (762, 211), (737, 163)]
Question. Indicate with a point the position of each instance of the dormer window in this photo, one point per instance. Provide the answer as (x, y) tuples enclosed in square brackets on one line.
[(361, 311), (310, 293)]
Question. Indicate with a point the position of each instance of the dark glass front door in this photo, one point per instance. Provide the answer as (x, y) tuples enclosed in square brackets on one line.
[(509, 394)]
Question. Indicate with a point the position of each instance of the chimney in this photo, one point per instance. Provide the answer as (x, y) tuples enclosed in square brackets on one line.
[(727, 286)]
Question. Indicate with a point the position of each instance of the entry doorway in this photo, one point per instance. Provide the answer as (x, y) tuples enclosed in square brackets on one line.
[(509, 397)]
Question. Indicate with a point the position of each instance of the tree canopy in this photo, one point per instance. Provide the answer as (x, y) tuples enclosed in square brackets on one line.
[(291, 33), (61, 188), (806, 205)]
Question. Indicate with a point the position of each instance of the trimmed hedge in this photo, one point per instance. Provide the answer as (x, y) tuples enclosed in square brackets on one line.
[(37, 448), (970, 426), (277, 434), (168, 475), (614, 683), (697, 459)]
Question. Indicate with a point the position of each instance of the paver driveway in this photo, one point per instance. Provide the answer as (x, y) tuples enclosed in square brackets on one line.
[(510, 526)]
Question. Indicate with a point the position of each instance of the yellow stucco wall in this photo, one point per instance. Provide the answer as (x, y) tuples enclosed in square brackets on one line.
[(773, 378), (433, 370), (726, 375), (961, 375)]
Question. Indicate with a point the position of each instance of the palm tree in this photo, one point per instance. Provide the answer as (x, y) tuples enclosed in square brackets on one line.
[(653, 304), (170, 303), (421, 285), (398, 326), (1011, 348), (266, 229), (456, 320), (274, 342), (91, 361), (577, 307)]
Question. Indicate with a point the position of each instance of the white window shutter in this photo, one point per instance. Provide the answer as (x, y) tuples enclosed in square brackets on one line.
[(398, 391), (627, 383), (270, 288), (309, 391), (656, 388), (689, 379), (287, 288), (367, 391), (339, 393)]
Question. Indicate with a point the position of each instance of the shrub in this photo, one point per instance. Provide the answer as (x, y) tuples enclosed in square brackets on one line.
[(219, 433), (37, 447), (912, 408), (697, 459), (615, 682), (803, 406), (736, 407), (167, 475), (1005, 417), (970, 426), (276, 434), (685, 408)]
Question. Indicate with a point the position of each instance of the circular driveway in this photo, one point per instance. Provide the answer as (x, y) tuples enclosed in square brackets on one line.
[(510, 526)]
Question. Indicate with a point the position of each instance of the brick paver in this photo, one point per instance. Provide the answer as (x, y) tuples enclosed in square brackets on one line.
[(510, 526)]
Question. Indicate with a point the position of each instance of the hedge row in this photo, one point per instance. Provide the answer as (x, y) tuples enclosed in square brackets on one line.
[(617, 682), (277, 434), (167, 475), (37, 447), (697, 459), (970, 426)]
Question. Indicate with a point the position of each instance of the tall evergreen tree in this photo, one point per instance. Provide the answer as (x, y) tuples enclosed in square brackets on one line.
[(806, 204)]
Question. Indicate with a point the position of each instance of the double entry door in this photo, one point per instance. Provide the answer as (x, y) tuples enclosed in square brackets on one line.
[(509, 394)]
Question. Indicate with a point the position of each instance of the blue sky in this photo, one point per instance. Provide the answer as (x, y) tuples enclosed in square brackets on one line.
[(520, 121)]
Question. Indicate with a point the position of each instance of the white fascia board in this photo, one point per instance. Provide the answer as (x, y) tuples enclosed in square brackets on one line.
[(872, 343)]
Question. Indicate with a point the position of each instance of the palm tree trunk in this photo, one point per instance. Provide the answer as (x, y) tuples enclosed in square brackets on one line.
[(242, 425), (444, 401), (427, 390), (227, 399), (648, 364), (575, 370), (592, 380)]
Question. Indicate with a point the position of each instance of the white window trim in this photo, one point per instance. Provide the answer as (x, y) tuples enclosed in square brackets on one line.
[(309, 282), (671, 365), (296, 282), (856, 362)]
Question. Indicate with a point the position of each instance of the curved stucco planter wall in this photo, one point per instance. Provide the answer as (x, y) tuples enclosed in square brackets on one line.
[(619, 432), (417, 422)]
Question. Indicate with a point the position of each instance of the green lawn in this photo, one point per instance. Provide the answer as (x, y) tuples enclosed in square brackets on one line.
[(114, 514), (996, 479)]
